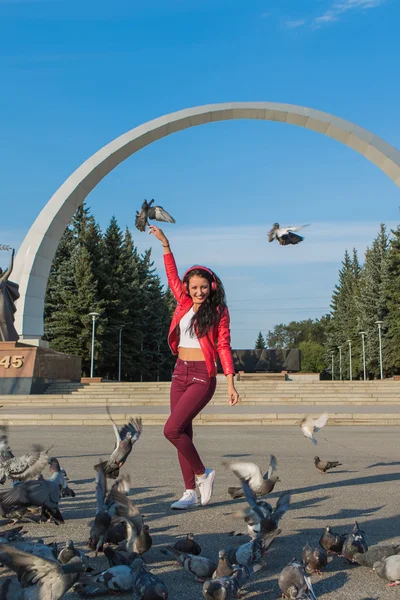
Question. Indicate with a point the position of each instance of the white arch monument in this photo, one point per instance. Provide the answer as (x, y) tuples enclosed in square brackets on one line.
[(35, 256)]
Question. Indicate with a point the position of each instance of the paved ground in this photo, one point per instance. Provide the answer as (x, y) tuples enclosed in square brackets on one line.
[(365, 488)]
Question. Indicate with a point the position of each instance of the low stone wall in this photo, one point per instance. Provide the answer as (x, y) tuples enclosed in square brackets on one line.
[(26, 369)]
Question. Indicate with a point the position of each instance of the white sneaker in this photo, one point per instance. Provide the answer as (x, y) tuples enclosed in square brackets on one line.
[(188, 500), (206, 484)]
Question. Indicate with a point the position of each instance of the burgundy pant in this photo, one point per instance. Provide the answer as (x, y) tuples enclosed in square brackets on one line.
[(191, 390)]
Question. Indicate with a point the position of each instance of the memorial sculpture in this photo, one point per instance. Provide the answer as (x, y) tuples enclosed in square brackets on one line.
[(9, 294)]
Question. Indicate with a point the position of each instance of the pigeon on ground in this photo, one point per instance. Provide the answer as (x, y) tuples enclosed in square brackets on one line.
[(116, 579), (227, 588), (108, 505), (200, 566), (286, 236), (375, 554), (314, 559), (294, 583), (309, 425), (332, 542), (389, 569), (147, 585), (147, 212), (15, 534), (119, 557), (259, 483), (67, 554), (252, 552), (52, 579), (224, 567), (355, 542), (324, 466), (24, 467), (188, 545), (260, 517), (125, 437)]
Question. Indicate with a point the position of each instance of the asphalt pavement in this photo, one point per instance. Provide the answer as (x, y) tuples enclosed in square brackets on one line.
[(365, 487)]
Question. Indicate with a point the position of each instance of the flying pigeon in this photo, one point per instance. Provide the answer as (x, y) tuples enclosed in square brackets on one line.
[(324, 466), (23, 467), (151, 212), (286, 236), (389, 569), (294, 583), (259, 483), (125, 438), (309, 426), (52, 578), (253, 551), (108, 505), (261, 519)]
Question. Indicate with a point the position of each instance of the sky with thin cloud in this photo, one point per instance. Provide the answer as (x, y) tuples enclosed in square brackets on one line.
[(75, 75)]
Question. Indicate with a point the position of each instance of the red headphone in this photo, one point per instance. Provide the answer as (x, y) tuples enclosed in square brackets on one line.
[(214, 284)]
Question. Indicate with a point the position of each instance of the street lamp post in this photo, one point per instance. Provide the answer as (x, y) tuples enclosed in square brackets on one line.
[(333, 365), (94, 316), (363, 334), (340, 362), (379, 323), (350, 368), (120, 354)]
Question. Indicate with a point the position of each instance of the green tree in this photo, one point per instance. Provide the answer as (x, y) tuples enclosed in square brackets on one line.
[(260, 342), (312, 357), (345, 318), (372, 300), (391, 282), (292, 334)]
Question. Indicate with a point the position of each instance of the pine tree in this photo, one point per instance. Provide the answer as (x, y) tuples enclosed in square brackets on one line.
[(391, 328), (372, 301), (114, 286), (345, 320), (260, 342)]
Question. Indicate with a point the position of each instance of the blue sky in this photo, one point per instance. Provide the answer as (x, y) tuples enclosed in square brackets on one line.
[(75, 75)]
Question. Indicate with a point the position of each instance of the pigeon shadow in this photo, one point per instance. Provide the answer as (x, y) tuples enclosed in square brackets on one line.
[(236, 455), (330, 584), (393, 463), (346, 513)]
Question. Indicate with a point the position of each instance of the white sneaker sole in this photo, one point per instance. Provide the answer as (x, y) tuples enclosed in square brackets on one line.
[(212, 477), (188, 507)]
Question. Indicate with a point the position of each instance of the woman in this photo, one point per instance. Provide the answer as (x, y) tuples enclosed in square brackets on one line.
[(200, 323)]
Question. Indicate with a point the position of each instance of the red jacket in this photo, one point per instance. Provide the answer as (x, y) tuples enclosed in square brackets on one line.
[(220, 334)]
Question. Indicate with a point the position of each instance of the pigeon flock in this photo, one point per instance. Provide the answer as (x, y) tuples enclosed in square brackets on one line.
[(45, 571), (286, 236)]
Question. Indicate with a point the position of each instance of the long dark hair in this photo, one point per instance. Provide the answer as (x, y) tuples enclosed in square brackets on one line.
[(209, 312)]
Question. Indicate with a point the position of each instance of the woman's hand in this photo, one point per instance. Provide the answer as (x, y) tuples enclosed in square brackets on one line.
[(233, 395), (158, 233)]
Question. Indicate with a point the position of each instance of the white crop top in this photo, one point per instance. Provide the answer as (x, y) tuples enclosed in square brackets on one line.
[(187, 340)]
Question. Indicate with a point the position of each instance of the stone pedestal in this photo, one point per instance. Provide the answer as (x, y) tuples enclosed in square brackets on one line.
[(26, 369)]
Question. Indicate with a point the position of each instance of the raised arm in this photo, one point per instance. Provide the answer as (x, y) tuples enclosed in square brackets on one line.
[(174, 281), (7, 273)]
